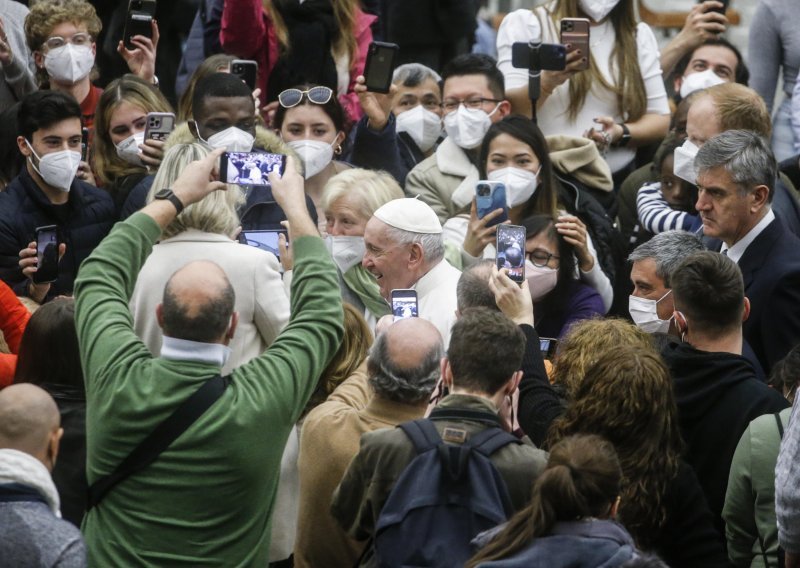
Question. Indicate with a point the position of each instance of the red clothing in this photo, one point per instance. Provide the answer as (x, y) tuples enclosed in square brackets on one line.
[(13, 320), (247, 32), (88, 107)]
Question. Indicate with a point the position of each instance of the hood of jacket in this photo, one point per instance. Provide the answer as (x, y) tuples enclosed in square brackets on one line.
[(702, 378), (580, 158), (266, 140)]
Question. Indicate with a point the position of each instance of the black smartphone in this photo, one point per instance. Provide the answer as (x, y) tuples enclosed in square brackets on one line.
[(84, 143), (548, 347), (380, 66), (404, 304), (511, 250), (246, 70), (159, 125), (264, 240), (546, 56), (137, 23), (144, 6), (46, 254), (575, 32), (718, 10), (491, 195), (250, 168)]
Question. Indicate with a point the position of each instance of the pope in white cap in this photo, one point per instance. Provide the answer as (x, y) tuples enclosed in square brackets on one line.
[(405, 249)]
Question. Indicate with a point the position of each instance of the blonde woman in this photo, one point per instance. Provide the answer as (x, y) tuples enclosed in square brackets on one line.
[(619, 101), (121, 156), (323, 42), (205, 230)]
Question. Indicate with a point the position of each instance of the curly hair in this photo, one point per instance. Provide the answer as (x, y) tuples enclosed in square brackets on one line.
[(627, 398), (582, 344)]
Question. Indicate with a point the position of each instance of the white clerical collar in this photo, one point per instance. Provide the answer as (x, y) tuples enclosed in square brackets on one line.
[(176, 349), (737, 250)]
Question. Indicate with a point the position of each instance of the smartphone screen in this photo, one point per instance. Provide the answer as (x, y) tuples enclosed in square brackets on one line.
[(246, 70), (250, 168), (46, 254), (511, 250), (379, 67), (404, 304), (548, 346), (491, 195), (264, 240)]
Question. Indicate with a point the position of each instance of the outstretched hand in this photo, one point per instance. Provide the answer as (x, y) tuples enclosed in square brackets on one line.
[(376, 106), (289, 192), (142, 59)]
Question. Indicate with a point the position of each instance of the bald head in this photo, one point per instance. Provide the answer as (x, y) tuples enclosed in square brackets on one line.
[(198, 303), (404, 361), (29, 422)]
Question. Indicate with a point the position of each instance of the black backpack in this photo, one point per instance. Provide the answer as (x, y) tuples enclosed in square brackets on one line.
[(446, 496)]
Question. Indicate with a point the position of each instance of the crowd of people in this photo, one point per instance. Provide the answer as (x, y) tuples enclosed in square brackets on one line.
[(268, 319)]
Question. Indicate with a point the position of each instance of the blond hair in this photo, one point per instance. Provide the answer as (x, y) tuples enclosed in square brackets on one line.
[(585, 342), (215, 213), (133, 90), (740, 108), (369, 188), (346, 14)]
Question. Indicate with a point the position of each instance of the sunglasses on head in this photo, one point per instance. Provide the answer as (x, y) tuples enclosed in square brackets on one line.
[(293, 97)]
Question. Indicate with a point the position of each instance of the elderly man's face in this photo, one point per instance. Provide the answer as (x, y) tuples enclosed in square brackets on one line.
[(647, 284), (726, 213), (386, 259)]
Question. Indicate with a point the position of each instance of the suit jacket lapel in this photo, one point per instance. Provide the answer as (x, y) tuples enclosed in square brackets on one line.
[(758, 251)]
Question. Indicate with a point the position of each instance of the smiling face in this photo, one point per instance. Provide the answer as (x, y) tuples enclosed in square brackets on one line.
[(343, 218), (387, 260), (126, 120)]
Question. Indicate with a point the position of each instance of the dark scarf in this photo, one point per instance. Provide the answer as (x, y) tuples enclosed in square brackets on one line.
[(312, 31)]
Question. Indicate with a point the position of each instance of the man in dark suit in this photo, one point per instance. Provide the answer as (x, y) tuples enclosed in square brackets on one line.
[(736, 174)]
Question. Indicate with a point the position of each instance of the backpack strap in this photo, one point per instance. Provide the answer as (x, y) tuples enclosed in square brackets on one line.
[(779, 423), (491, 440), (423, 434), (160, 439)]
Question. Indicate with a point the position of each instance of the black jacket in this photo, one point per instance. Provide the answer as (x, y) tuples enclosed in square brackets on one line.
[(717, 395), (82, 223)]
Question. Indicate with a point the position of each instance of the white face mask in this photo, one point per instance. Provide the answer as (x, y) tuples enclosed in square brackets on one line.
[(422, 125), (314, 154), (69, 63), (598, 9), (683, 162), (644, 313), (128, 149), (57, 169), (468, 126), (347, 252), (232, 139), (520, 184), (541, 280), (700, 80)]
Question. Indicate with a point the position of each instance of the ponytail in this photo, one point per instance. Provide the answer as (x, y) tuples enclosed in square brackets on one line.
[(581, 480)]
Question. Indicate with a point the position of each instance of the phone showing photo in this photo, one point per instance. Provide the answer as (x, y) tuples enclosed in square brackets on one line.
[(264, 240), (575, 32), (137, 23), (548, 347), (159, 125), (380, 65), (491, 195), (246, 70), (404, 304), (46, 254), (511, 250), (250, 168)]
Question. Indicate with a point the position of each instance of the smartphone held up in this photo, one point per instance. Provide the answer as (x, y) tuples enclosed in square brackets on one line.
[(46, 254), (250, 168), (511, 251), (404, 304)]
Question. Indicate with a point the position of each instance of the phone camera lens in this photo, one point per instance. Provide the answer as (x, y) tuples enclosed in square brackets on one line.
[(483, 190)]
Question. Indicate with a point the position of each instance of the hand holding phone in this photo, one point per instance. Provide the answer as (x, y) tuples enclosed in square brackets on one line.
[(264, 240), (404, 304), (137, 23), (380, 65), (250, 168), (46, 254), (246, 70), (159, 125), (489, 196)]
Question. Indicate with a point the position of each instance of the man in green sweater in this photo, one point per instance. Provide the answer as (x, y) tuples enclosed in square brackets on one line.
[(208, 498)]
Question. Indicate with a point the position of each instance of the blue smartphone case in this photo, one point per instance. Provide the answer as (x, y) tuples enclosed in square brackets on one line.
[(487, 204)]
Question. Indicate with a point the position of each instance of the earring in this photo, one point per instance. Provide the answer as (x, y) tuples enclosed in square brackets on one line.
[(338, 150)]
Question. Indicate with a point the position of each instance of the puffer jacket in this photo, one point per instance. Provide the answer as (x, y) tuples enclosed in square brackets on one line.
[(82, 223)]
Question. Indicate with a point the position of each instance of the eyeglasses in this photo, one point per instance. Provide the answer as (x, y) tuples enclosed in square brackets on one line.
[(293, 97), (449, 105), (78, 39), (540, 257)]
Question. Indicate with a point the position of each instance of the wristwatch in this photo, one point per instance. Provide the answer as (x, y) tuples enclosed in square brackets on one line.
[(171, 197), (626, 135)]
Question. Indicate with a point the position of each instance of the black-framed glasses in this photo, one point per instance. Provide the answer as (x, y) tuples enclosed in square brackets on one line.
[(293, 97), (449, 105), (541, 257), (78, 39)]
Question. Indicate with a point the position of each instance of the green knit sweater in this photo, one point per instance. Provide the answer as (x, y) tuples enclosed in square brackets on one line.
[(207, 500)]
